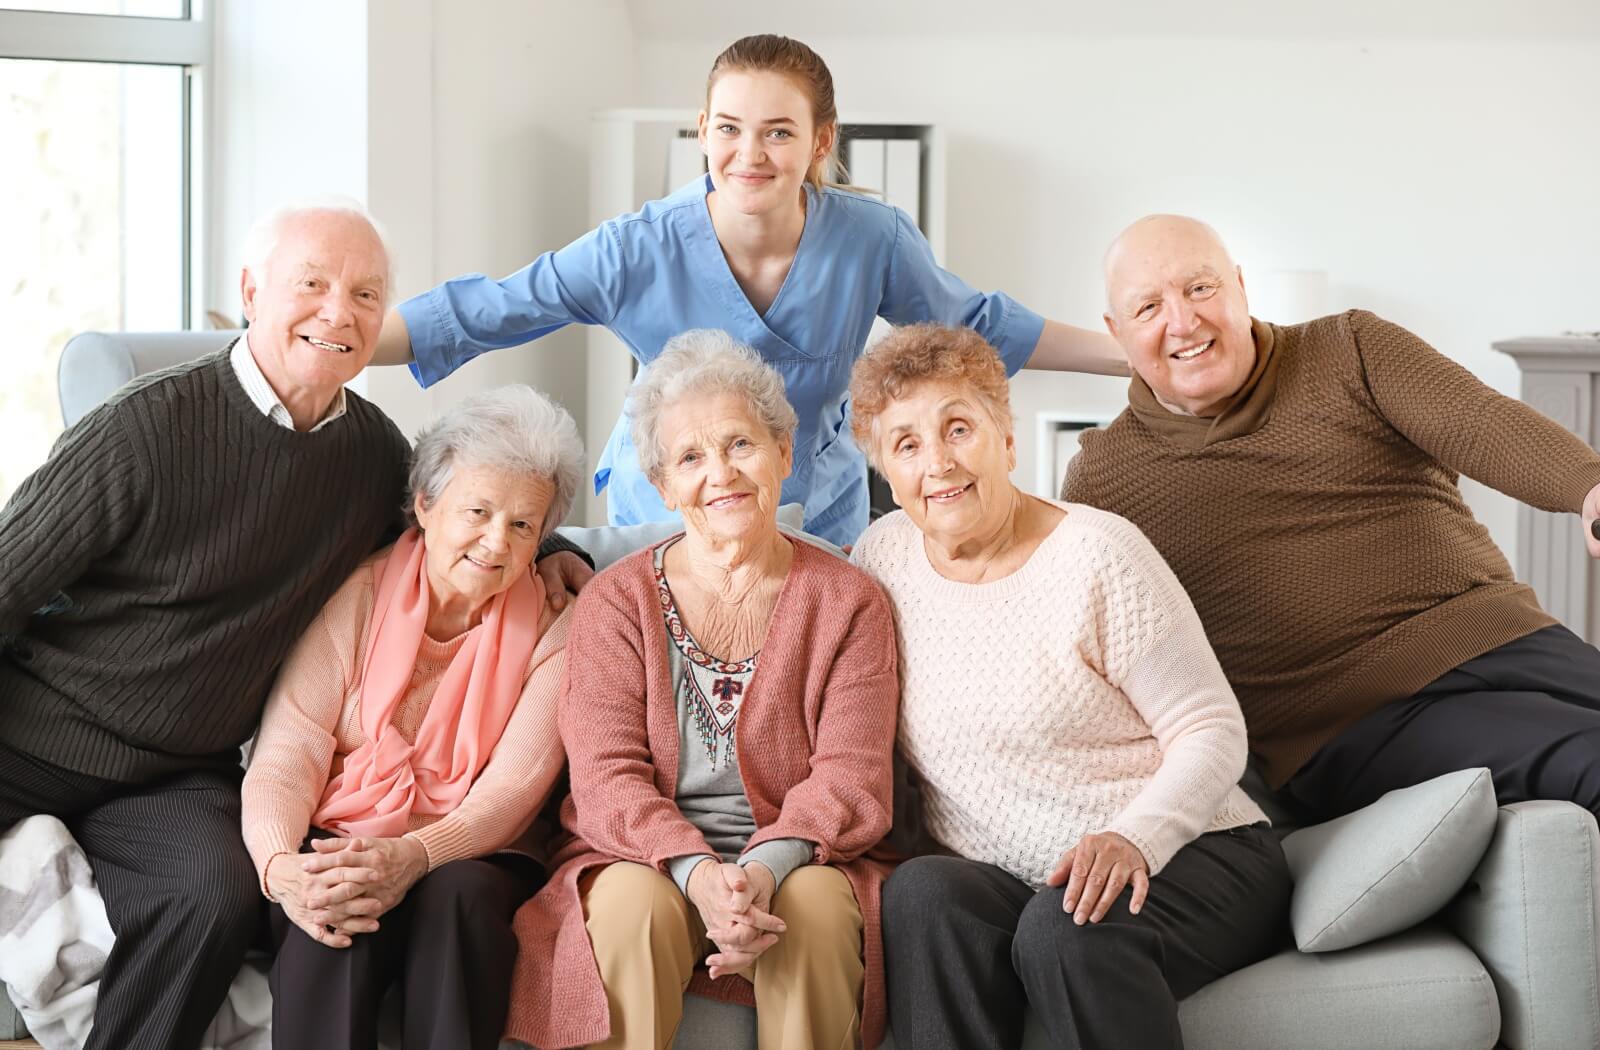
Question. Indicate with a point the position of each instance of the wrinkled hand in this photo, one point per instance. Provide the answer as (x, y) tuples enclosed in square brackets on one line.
[(1591, 514), (1096, 870), (734, 905), (561, 572), (342, 911), (366, 873)]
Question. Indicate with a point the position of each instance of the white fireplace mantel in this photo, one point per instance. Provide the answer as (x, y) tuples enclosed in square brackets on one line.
[(1560, 378)]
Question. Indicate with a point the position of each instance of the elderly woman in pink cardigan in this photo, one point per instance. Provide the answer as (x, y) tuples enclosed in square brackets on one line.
[(729, 717), (412, 734), (1077, 746)]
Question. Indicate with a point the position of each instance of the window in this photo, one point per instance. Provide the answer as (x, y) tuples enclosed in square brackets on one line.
[(97, 128)]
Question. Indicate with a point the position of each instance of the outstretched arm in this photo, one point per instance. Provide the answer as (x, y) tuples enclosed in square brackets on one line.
[(394, 342), (1068, 348), (1472, 429)]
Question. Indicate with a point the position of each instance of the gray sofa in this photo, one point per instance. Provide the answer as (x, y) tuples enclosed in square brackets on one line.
[(1510, 960)]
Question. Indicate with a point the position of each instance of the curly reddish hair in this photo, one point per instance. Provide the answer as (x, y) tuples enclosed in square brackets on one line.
[(924, 353)]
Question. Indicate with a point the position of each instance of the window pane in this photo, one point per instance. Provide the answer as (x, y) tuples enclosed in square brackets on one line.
[(138, 8), (92, 223)]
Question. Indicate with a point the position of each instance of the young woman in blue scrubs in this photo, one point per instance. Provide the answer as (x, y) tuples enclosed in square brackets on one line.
[(763, 247)]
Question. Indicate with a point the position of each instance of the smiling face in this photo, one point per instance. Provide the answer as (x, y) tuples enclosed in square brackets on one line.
[(482, 532), (947, 461), (1177, 306), (316, 306), (721, 467), (760, 139)]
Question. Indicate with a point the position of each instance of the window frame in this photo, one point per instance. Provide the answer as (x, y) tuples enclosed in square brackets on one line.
[(185, 42)]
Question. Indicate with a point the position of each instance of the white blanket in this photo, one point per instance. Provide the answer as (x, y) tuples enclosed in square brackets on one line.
[(54, 939)]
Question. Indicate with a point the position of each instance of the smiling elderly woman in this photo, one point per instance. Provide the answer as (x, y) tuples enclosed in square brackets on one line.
[(412, 734), (1078, 747), (729, 719)]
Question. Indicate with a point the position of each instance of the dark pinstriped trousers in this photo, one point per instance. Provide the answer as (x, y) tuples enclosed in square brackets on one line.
[(179, 889)]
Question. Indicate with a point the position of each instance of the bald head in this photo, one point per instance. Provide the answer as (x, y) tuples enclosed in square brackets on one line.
[(1175, 302), (1161, 236)]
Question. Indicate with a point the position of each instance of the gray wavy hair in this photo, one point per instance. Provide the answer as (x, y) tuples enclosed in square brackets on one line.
[(511, 428), (704, 362)]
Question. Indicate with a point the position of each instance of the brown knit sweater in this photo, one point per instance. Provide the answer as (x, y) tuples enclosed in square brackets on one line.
[(1317, 526)]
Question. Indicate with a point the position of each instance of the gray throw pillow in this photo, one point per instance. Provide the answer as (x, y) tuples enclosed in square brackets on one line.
[(1385, 868)]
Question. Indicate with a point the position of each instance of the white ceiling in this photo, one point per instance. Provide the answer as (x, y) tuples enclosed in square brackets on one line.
[(1485, 20)]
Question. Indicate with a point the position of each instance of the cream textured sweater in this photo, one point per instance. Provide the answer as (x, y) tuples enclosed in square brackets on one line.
[(1074, 696), (313, 720)]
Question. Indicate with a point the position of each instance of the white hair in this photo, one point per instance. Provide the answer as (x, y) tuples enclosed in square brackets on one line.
[(515, 429), (267, 231), (704, 362)]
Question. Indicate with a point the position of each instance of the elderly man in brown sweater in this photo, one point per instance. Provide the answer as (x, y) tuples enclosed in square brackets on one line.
[(1301, 482)]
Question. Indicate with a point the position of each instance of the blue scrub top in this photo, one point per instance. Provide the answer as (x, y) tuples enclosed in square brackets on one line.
[(660, 271)]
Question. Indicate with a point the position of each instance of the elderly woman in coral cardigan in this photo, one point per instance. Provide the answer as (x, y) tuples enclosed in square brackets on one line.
[(729, 719), (412, 735)]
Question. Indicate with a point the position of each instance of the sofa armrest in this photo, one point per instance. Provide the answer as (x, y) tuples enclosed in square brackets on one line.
[(1529, 912)]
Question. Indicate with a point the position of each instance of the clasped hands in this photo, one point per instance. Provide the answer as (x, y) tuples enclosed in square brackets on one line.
[(345, 885), (735, 905)]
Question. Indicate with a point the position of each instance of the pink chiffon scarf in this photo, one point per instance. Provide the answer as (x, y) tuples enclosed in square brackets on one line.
[(387, 781)]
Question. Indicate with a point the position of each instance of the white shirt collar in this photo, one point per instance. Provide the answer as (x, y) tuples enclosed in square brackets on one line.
[(261, 393)]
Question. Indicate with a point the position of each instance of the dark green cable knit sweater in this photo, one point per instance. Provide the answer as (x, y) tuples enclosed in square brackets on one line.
[(180, 541)]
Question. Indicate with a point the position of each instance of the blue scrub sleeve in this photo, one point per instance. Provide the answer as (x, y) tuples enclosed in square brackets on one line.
[(918, 290), (465, 316)]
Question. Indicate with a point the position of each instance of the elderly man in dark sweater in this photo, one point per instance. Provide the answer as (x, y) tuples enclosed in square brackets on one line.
[(153, 574), (1301, 482)]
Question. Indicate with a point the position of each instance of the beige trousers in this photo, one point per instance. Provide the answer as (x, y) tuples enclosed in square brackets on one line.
[(647, 939)]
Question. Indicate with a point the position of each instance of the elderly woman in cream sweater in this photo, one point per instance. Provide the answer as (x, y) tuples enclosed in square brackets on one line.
[(1077, 746)]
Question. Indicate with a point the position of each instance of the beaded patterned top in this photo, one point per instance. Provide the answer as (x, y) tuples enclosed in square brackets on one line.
[(711, 689)]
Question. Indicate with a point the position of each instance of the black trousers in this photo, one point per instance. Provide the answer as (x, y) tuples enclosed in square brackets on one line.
[(1528, 710), (449, 944), (179, 889), (968, 947)]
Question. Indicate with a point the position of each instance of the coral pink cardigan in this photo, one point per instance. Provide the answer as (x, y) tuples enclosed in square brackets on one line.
[(816, 734)]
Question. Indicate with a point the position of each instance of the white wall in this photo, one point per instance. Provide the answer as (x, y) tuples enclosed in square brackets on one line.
[(287, 119)]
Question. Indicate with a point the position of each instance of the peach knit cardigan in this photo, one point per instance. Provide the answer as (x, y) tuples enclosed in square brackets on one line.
[(816, 733)]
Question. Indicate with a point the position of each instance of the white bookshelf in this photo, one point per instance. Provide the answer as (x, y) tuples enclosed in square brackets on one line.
[(1056, 440)]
